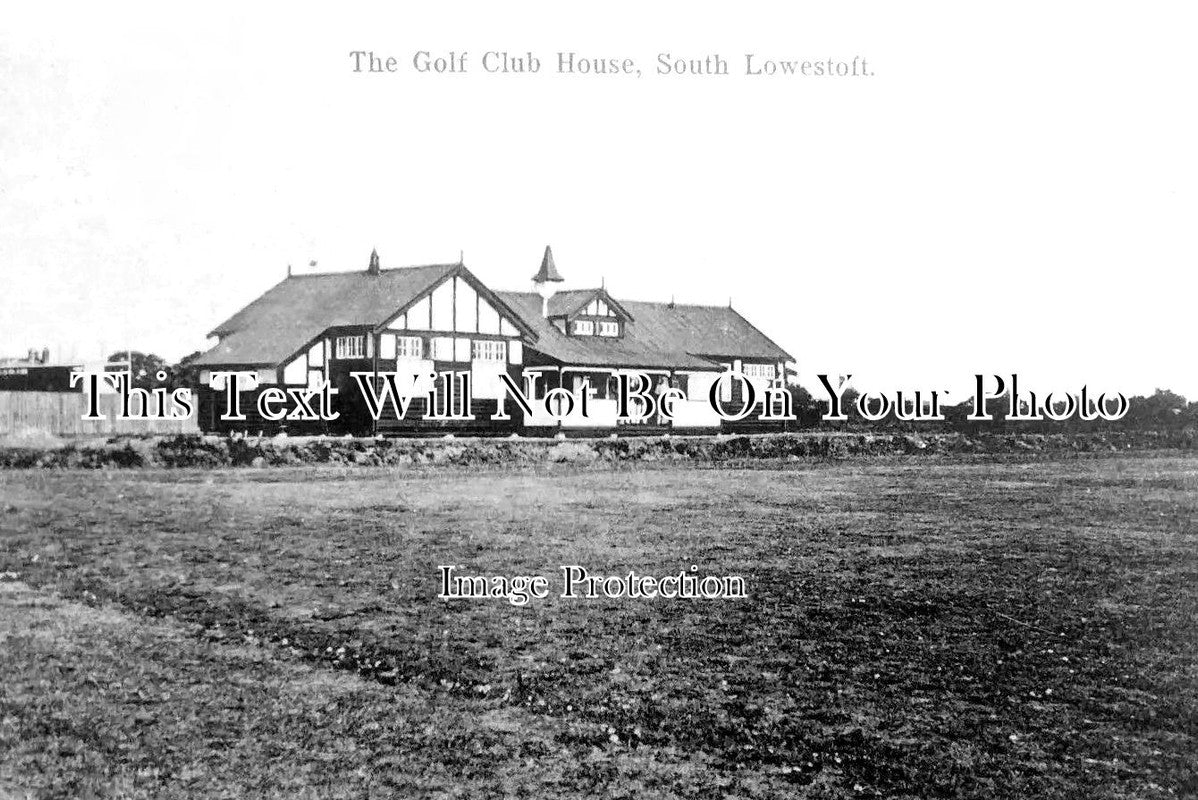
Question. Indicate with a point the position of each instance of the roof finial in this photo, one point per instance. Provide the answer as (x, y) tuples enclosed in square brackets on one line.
[(373, 268), (288, 270), (548, 271), (461, 258)]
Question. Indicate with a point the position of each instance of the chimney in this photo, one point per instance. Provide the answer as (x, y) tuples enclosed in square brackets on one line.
[(542, 282), (373, 267)]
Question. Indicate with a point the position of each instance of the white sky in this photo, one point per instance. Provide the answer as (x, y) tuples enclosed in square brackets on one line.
[(1014, 190)]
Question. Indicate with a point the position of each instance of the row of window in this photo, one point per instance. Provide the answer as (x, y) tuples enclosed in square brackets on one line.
[(586, 327), (758, 371), (447, 348), (444, 348)]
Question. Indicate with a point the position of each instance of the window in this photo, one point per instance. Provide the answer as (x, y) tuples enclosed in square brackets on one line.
[(765, 371), (609, 329), (351, 347), (488, 350), (409, 347), (584, 327)]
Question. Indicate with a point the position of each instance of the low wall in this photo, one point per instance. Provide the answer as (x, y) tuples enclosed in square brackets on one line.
[(214, 451)]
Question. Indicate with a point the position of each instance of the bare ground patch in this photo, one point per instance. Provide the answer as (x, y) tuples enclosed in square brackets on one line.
[(915, 628)]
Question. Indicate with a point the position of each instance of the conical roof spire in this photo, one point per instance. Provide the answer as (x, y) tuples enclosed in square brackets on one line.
[(548, 271), (373, 268)]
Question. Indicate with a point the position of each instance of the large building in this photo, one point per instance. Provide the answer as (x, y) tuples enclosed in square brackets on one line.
[(442, 318)]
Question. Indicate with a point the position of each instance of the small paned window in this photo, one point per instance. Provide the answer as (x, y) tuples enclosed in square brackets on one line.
[(351, 347), (490, 350)]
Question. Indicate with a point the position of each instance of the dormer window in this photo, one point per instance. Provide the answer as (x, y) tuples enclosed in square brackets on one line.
[(590, 312)]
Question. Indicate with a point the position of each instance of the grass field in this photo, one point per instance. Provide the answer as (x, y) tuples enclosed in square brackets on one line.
[(914, 628)]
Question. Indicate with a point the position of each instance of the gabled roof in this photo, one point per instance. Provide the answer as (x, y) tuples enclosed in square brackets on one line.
[(663, 336), (295, 311), (564, 304)]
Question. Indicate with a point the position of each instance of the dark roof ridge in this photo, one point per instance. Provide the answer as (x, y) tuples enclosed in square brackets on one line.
[(617, 298), (676, 304), (446, 265)]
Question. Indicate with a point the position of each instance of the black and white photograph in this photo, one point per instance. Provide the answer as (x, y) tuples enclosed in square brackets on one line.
[(612, 400)]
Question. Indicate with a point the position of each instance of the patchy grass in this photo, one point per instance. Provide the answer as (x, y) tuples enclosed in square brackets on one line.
[(915, 628)]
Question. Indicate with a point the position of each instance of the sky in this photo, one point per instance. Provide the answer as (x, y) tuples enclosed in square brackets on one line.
[(1013, 190)]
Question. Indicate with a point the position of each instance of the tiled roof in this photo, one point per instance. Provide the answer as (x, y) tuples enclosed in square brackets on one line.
[(569, 301), (572, 301), (703, 330), (295, 311), (284, 320), (662, 336)]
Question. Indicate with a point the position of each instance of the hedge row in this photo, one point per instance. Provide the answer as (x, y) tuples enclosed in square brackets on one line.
[(212, 451)]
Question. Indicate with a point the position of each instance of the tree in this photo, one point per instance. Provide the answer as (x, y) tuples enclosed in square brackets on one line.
[(1163, 408), (807, 411), (143, 367), (184, 373)]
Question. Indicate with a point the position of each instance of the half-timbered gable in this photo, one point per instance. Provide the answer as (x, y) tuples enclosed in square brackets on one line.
[(437, 319), (588, 312), (454, 325)]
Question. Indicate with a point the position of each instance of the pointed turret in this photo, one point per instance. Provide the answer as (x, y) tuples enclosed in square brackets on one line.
[(542, 282), (373, 267), (548, 271)]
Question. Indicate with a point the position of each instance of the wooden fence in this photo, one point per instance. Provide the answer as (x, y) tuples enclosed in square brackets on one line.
[(61, 414)]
